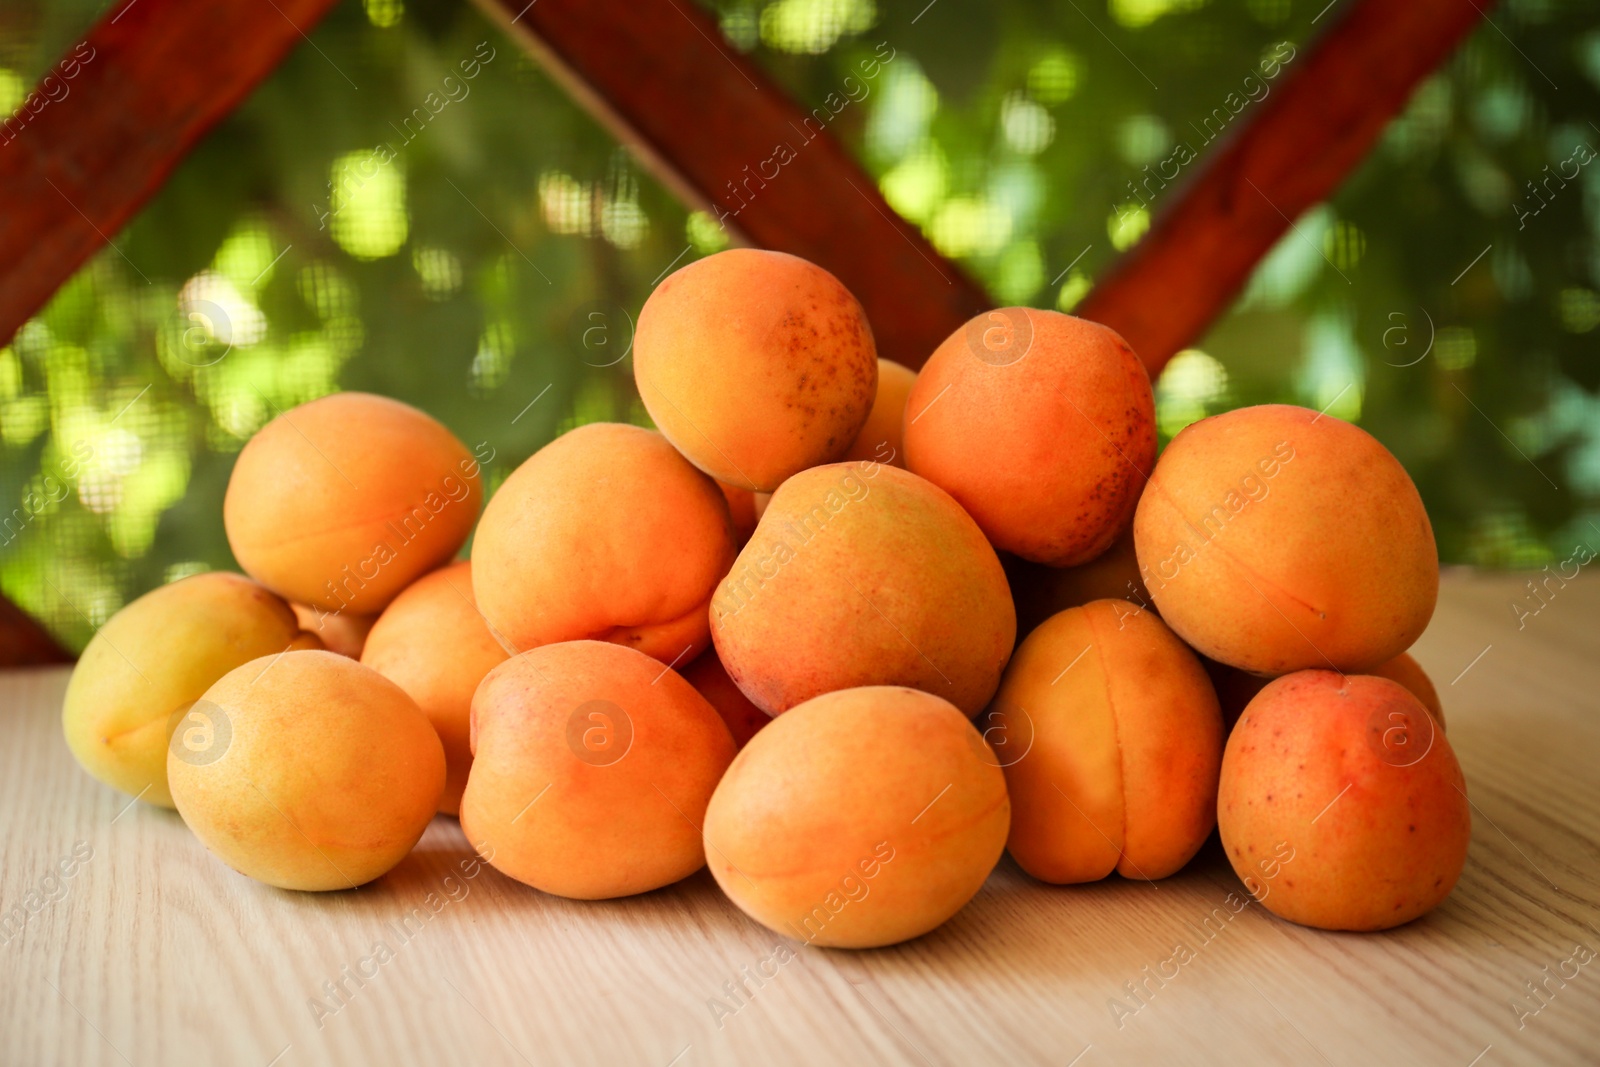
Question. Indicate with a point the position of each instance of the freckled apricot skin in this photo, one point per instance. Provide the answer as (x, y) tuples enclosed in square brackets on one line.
[(883, 437), (156, 657), (711, 680), (864, 574), (1348, 773), (606, 533), (342, 502), (1236, 688), (1113, 744), (756, 365), (1040, 591), (343, 632), (593, 765), (328, 775), (862, 818), (1276, 539), (1048, 450), (432, 643)]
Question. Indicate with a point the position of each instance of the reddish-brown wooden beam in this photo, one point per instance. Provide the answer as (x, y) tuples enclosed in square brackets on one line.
[(104, 129), (23, 642), (728, 139), (1324, 113)]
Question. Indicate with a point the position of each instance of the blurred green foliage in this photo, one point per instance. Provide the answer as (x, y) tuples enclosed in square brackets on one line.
[(479, 248)]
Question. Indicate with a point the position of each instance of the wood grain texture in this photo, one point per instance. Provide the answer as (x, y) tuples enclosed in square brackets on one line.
[(154, 952), (708, 122), (1322, 117), (101, 133)]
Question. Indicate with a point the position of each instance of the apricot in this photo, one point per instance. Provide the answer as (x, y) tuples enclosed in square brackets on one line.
[(860, 818), (883, 437), (1236, 688), (432, 643), (1409, 673), (1041, 425), (756, 365), (864, 574), (1341, 805), (1274, 539), (605, 533), (1112, 746), (341, 503), (343, 632), (1040, 591), (306, 771), (153, 659), (593, 767), (742, 509), (710, 679)]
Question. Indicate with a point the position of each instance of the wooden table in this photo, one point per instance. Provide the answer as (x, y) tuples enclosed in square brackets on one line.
[(153, 952)]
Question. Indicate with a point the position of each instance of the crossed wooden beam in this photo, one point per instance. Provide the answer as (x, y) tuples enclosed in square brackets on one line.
[(703, 118)]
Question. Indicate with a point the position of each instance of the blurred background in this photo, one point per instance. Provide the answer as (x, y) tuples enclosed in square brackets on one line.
[(491, 272)]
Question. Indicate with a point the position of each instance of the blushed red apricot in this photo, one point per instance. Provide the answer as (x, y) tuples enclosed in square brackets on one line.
[(1275, 539), (1040, 591), (593, 765), (605, 533), (711, 680), (342, 502), (883, 437), (1041, 425), (1346, 775), (1113, 743), (432, 643), (306, 771), (860, 818), (756, 365), (864, 574)]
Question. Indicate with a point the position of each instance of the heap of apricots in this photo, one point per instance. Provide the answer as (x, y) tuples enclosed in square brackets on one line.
[(844, 632)]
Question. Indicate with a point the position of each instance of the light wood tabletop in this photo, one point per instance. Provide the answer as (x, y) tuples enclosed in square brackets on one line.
[(136, 946)]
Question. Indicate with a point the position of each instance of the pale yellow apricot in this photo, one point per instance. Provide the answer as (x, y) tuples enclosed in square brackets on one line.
[(306, 771)]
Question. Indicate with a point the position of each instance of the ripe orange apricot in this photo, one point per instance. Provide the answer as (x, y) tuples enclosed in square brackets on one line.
[(864, 574), (883, 437), (1341, 805), (1409, 673), (1040, 591), (343, 632), (742, 509), (605, 533), (1041, 425), (342, 502), (1112, 744), (432, 643), (1275, 539), (593, 765), (710, 678), (756, 365), (861, 818), (1236, 688)]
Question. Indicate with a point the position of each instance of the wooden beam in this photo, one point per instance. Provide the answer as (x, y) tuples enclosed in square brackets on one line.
[(103, 130), (720, 132), (1323, 116), (24, 643)]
